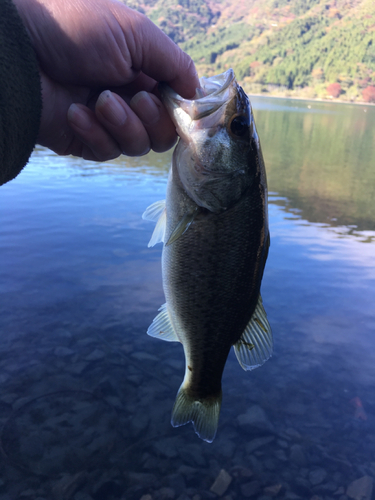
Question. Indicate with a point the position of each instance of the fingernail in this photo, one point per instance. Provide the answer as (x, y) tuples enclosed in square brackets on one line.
[(78, 117), (146, 108), (111, 109)]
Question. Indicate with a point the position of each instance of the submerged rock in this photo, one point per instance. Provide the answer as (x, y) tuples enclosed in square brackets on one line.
[(221, 483), (297, 455), (81, 495), (95, 355), (360, 489), (273, 490), (167, 447), (166, 493), (258, 443), (255, 418), (68, 485), (317, 476), (250, 489), (62, 351)]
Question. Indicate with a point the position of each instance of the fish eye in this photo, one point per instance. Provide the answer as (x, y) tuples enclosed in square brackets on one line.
[(239, 125)]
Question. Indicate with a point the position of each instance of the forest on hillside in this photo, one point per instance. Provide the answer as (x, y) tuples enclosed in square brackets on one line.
[(299, 48)]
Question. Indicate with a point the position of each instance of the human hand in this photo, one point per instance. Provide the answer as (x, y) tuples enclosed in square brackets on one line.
[(100, 63)]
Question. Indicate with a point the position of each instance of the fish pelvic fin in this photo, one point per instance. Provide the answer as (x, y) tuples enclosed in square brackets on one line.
[(256, 343), (157, 213), (162, 327), (203, 413), (182, 226)]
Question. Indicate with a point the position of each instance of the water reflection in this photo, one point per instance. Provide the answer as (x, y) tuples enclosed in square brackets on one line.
[(321, 161), (324, 278), (86, 396)]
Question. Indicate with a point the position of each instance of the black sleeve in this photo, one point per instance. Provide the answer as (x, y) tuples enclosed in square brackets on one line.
[(20, 93)]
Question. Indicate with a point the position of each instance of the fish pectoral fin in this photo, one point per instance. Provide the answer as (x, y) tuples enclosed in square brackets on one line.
[(161, 327), (204, 413), (157, 213), (182, 226), (256, 343)]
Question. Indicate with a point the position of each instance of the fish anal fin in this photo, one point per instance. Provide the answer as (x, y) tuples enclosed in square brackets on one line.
[(204, 413), (157, 213), (256, 343), (248, 345), (259, 323), (162, 327)]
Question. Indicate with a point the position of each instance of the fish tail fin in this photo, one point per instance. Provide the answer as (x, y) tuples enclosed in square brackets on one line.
[(203, 413)]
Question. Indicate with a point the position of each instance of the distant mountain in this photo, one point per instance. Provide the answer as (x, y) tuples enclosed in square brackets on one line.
[(301, 48)]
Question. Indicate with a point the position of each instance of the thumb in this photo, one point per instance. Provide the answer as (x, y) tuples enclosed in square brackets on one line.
[(156, 55)]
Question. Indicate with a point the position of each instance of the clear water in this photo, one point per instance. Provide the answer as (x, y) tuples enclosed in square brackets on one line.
[(86, 395)]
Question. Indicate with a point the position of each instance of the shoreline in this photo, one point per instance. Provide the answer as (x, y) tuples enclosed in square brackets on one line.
[(331, 101)]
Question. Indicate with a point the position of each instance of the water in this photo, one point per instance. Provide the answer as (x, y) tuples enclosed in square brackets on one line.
[(86, 395)]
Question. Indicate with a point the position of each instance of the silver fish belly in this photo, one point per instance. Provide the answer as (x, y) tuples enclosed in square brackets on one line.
[(214, 227)]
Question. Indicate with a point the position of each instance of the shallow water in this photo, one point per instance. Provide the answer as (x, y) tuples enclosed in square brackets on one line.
[(86, 395)]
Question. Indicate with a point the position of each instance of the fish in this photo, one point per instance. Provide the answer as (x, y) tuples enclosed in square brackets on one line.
[(214, 228)]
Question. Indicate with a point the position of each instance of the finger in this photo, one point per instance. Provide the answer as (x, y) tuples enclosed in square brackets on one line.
[(154, 53), (100, 146), (155, 118), (141, 82), (122, 124), (79, 149)]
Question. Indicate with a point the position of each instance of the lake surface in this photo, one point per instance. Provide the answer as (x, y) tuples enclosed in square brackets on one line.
[(86, 395)]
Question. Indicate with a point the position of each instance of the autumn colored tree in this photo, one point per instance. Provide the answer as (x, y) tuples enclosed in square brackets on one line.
[(368, 94), (334, 89)]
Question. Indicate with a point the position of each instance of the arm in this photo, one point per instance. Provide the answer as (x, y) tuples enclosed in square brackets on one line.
[(20, 98)]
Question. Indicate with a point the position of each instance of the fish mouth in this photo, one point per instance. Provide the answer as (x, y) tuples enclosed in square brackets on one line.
[(214, 92)]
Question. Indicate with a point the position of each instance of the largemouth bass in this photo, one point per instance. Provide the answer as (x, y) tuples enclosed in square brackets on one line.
[(214, 227)]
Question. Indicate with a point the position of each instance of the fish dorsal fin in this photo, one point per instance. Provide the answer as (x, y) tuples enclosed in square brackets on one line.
[(161, 327), (182, 226), (256, 343), (157, 213)]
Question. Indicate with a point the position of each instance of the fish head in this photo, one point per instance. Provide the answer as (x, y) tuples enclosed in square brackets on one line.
[(215, 156)]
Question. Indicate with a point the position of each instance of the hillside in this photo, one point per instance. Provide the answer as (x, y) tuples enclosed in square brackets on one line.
[(281, 47)]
